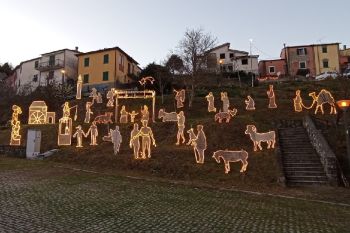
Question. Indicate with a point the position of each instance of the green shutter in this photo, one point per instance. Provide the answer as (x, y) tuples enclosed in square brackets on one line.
[(86, 78), (105, 76), (106, 59), (86, 62)]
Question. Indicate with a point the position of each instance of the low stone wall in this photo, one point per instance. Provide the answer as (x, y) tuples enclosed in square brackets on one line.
[(328, 158), (15, 151)]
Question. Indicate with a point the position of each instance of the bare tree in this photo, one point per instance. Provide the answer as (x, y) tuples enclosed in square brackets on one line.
[(193, 49)]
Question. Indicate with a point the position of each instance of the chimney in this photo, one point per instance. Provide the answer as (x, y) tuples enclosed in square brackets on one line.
[(76, 48)]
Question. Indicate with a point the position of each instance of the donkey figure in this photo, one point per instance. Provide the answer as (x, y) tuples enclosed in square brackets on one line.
[(232, 156)]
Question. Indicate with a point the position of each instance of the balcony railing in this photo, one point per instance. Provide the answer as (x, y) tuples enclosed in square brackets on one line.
[(51, 65)]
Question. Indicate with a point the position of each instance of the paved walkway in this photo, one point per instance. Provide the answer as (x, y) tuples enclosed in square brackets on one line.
[(59, 200)]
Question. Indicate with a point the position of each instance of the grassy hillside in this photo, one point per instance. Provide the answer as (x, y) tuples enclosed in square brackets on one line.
[(177, 162)]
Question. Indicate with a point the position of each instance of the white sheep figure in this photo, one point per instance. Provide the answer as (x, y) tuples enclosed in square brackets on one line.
[(257, 138), (167, 116), (232, 156)]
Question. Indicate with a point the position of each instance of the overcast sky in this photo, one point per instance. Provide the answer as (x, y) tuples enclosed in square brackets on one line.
[(149, 29)]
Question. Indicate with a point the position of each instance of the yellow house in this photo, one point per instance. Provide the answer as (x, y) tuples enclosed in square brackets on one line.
[(326, 57), (106, 68)]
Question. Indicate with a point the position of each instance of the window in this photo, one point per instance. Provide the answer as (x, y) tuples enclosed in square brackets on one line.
[(86, 78), (36, 64), (129, 68), (105, 59), (244, 61), (302, 65), (86, 62), (105, 76), (325, 63), (51, 74), (271, 69), (52, 59), (324, 49), (231, 55), (230, 68), (301, 51), (121, 63), (35, 78), (222, 56)]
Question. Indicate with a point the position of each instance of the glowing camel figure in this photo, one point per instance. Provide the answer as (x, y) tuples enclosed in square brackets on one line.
[(88, 112), (135, 141), (272, 97), (220, 116), (116, 138), (199, 144), (211, 103), (257, 138), (232, 156), (79, 134), (250, 104), (79, 87), (181, 128), (324, 97), (93, 131), (124, 116), (16, 126), (180, 97), (110, 97), (225, 101), (167, 116), (147, 137)]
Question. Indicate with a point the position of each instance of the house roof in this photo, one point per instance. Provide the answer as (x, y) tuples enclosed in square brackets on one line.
[(311, 45), (109, 49), (60, 50), (218, 47), (280, 59), (238, 51)]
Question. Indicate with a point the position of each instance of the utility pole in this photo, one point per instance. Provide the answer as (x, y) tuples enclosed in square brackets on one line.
[(286, 60), (251, 61)]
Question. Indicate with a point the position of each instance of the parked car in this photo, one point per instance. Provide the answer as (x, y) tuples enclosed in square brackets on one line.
[(346, 73), (325, 75)]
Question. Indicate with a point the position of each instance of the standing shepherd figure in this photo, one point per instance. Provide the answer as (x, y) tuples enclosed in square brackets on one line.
[(135, 141), (180, 98), (93, 131), (147, 138), (200, 144), (116, 139), (181, 128), (272, 97), (88, 112), (79, 134), (210, 99), (298, 102), (225, 101)]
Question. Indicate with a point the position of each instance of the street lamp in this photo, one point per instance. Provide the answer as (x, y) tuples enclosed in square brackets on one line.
[(63, 73), (251, 63), (344, 105)]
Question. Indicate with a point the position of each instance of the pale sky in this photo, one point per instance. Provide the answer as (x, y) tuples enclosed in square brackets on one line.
[(149, 29)]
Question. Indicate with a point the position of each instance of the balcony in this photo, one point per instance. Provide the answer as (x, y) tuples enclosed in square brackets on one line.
[(50, 65)]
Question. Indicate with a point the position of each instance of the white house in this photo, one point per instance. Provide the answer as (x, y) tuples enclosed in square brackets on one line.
[(222, 58), (58, 66)]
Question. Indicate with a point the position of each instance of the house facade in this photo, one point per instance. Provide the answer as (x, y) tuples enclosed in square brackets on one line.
[(222, 58), (106, 68), (58, 67), (344, 58), (311, 59), (272, 68)]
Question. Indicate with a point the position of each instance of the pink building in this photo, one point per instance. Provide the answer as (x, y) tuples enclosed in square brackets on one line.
[(272, 68)]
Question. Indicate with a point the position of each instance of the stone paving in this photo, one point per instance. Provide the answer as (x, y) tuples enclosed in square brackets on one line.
[(37, 200)]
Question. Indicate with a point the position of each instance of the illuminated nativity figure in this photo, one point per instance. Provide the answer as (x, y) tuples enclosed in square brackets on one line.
[(322, 98), (199, 144), (133, 114), (88, 112), (144, 113), (250, 104), (225, 102), (180, 98), (232, 156), (124, 115), (135, 141), (93, 131), (257, 138), (66, 126), (79, 87), (116, 138), (147, 139), (79, 134), (96, 96), (181, 128), (16, 126), (110, 97), (210, 98), (272, 97)]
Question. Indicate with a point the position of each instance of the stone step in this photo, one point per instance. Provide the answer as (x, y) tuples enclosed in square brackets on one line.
[(306, 183), (311, 169), (301, 164), (307, 178), (304, 173)]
